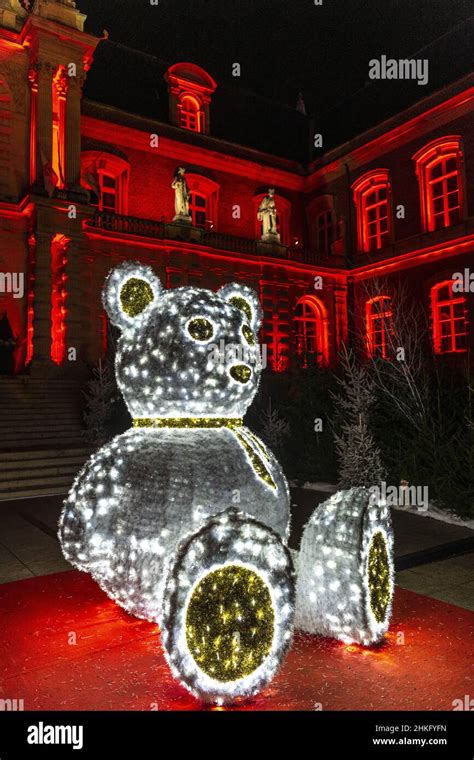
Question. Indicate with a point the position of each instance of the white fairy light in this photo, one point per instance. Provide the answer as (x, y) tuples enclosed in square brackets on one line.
[(158, 484), (219, 557), (148, 515), (360, 581)]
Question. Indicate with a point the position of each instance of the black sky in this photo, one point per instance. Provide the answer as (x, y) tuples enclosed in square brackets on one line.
[(285, 45)]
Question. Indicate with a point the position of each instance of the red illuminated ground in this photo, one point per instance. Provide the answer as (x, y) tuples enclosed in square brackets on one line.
[(117, 662)]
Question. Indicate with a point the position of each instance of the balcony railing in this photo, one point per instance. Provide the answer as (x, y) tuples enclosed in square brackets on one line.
[(129, 225), (230, 242), (308, 256)]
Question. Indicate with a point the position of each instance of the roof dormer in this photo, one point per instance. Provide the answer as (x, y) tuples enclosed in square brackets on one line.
[(190, 92)]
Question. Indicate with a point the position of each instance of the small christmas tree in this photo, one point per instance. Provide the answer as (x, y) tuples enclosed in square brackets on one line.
[(359, 457), (100, 397), (274, 429)]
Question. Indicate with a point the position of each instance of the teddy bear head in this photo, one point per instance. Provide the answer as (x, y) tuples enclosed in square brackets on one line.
[(186, 352)]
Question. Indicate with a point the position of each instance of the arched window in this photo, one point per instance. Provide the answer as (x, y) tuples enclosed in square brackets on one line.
[(450, 328), (439, 170), (311, 329), (190, 114), (106, 176), (283, 207), (372, 198), (203, 201), (379, 326)]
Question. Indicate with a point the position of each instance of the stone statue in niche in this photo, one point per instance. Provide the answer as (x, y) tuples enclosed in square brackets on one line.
[(267, 215), (181, 196)]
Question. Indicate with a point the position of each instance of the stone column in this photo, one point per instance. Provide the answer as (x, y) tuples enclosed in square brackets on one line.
[(42, 305), (44, 120), (61, 85), (78, 305), (73, 133), (33, 80)]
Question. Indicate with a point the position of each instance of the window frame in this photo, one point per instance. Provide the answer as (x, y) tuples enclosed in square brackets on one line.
[(197, 113), (456, 299), (327, 229), (386, 314), (426, 159), (107, 165), (195, 209), (316, 207), (317, 317), (362, 188), (209, 189)]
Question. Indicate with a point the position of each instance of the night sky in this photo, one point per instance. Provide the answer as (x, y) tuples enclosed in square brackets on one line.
[(287, 45)]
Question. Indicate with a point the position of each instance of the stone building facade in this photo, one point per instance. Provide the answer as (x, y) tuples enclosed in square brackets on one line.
[(91, 134)]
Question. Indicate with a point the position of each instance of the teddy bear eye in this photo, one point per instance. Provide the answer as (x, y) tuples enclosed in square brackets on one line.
[(200, 329), (247, 332)]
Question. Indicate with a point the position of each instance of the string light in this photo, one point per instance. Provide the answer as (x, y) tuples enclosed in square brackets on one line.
[(347, 548), (135, 296), (200, 329), (188, 454), (148, 516), (379, 577), (230, 622), (228, 604), (241, 304), (189, 422)]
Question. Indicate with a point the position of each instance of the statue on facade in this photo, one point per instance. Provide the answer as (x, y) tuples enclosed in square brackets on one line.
[(267, 215), (181, 196)]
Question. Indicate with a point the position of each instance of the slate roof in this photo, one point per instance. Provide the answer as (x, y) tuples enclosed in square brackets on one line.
[(133, 81)]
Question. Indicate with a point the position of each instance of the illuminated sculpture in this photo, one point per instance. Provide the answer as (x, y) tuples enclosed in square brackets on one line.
[(345, 578), (267, 215), (188, 455), (181, 196), (184, 518)]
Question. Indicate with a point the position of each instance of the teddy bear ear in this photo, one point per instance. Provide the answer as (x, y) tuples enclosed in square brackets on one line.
[(130, 293), (245, 299)]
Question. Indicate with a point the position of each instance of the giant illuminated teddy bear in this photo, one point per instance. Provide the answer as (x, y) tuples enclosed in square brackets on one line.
[(184, 518)]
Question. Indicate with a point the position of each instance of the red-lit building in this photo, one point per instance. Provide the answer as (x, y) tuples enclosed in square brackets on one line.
[(91, 133)]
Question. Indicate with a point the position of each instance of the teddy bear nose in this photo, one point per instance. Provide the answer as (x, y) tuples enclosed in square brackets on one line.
[(241, 373)]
